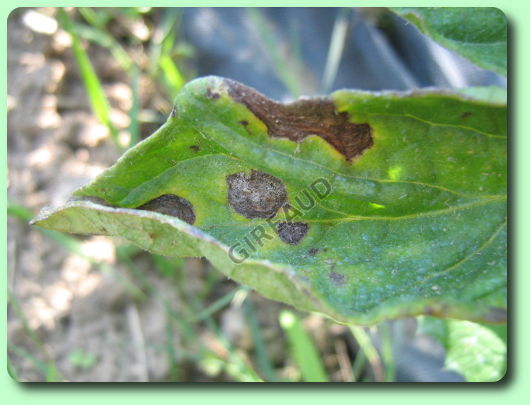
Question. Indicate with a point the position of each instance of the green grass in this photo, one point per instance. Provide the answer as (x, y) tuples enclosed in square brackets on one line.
[(302, 349), (96, 95)]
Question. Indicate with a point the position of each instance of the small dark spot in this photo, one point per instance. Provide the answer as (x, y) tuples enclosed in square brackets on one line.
[(173, 113), (152, 235), (255, 195), (195, 148), (313, 251), (292, 232), (212, 95), (429, 311), (337, 278), (169, 204), (244, 123), (436, 311), (466, 114)]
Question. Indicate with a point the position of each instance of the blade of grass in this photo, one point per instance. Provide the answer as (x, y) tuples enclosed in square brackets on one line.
[(167, 266), (48, 370), (95, 17), (162, 64), (336, 48), (172, 76), (11, 369), (102, 38), (358, 365), (235, 365), (163, 39), (387, 351), (134, 126), (368, 348), (216, 306), (345, 366), (95, 92), (13, 303), (174, 369), (263, 361), (287, 75), (302, 349)]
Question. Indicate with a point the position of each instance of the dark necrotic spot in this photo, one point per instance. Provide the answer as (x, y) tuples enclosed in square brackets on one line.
[(169, 204), (244, 122), (212, 95), (337, 278), (313, 251), (304, 117), (195, 148), (466, 114), (292, 232), (255, 194)]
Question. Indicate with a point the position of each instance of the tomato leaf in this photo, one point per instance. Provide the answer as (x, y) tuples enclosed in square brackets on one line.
[(478, 352), (360, 206), (477, 33)]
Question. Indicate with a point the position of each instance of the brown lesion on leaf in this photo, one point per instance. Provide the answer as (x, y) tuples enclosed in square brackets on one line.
[(304, 117), (292, 232), (172, 205), (255, 194), (466, 114), (337, 278), (195, 148)]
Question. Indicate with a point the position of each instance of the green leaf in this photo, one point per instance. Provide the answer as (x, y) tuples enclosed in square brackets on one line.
[(408, 192), (477, 33), (476, 351)]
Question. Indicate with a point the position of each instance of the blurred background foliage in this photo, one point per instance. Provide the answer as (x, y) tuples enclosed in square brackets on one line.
[(85, 84)]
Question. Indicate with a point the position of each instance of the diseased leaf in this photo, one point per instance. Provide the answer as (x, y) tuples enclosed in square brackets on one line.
[(476, 351), (477, 33), (362, 206)]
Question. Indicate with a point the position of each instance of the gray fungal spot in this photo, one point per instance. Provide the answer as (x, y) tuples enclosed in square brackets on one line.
[(172, 205), (255, 194), (292, 232), (337, 278)]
